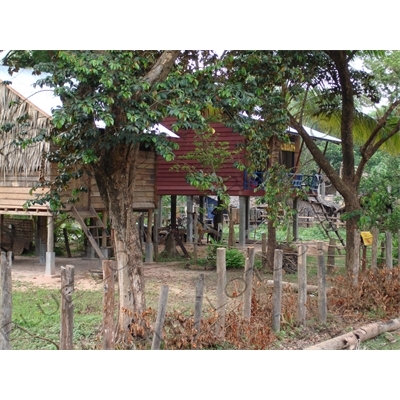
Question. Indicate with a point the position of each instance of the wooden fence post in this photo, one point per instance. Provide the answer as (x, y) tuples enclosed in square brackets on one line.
[(374, 250), (221, 294), (302, 284), (162, 308), (67, 308), (108, 305), (356, 266), (5, 300), (264, 250), (198, 305), (277, 294), (196, 236), (322, 306), (398, 248), (248, 277), (389, 250), (331, 256)]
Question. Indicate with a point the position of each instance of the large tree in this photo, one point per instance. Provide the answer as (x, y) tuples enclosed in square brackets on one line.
[(280, 79), (128, 92)]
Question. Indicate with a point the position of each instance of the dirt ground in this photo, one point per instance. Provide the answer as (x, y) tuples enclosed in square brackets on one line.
[(180, 276)]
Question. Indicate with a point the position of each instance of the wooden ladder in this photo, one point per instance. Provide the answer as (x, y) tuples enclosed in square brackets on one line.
[(326, 222), (81, 216)]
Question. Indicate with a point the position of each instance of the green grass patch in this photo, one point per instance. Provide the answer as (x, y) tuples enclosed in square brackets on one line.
[(36, 318)]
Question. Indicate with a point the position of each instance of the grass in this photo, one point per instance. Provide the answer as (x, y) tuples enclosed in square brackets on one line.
[(386, 341), (36, 317)]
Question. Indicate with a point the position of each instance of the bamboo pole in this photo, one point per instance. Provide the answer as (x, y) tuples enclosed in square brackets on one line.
[(302, 284), (221, 294), (322, 306), (5, 300), (67, 308), (162, 308), (108, 305), (277, 293)]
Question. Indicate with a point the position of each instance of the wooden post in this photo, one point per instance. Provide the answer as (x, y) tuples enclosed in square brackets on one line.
[(108, 305), (67, 308), (374, 250), (242, 221), (50, 254), (155, 233), (198, 305), (264, 251), (162, 308), (295, 219), (302, 284), (331, 256), (364, 259), (322, 306), (356, 266), (221, 295), (5, 300), (196, 237), (389, 250), (277, 294), (248, 278), (398, 248), (149, 241), (189, 213), (103, 232)]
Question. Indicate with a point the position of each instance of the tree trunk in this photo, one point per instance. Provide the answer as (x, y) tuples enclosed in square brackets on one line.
[(115, 175), (351, 340)]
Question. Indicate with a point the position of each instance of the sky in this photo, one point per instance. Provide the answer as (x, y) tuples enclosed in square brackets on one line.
[(201, 25)]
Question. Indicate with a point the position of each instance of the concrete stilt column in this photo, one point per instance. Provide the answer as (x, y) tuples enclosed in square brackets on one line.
[(50, 254)]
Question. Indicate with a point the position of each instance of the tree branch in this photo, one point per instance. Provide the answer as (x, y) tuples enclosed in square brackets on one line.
[(162, 67)]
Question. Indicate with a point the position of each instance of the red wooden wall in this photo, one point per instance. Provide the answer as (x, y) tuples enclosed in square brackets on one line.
[(169, 182)]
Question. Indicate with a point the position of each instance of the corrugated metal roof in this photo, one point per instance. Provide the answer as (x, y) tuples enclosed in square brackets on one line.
[(316, 134)]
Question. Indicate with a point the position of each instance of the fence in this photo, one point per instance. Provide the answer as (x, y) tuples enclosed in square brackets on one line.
[(238, 305)]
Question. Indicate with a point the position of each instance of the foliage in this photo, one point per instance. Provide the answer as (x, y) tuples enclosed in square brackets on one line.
[(380, 196), (278, 189), (234, 258)]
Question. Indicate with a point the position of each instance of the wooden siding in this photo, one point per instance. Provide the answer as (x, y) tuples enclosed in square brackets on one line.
[(169, 182)]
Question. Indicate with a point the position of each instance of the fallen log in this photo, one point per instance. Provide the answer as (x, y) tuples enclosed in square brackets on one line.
[(351, 340), (295, 287)]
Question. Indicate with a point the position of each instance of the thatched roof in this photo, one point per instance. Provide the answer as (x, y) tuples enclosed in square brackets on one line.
[(16, 160)]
